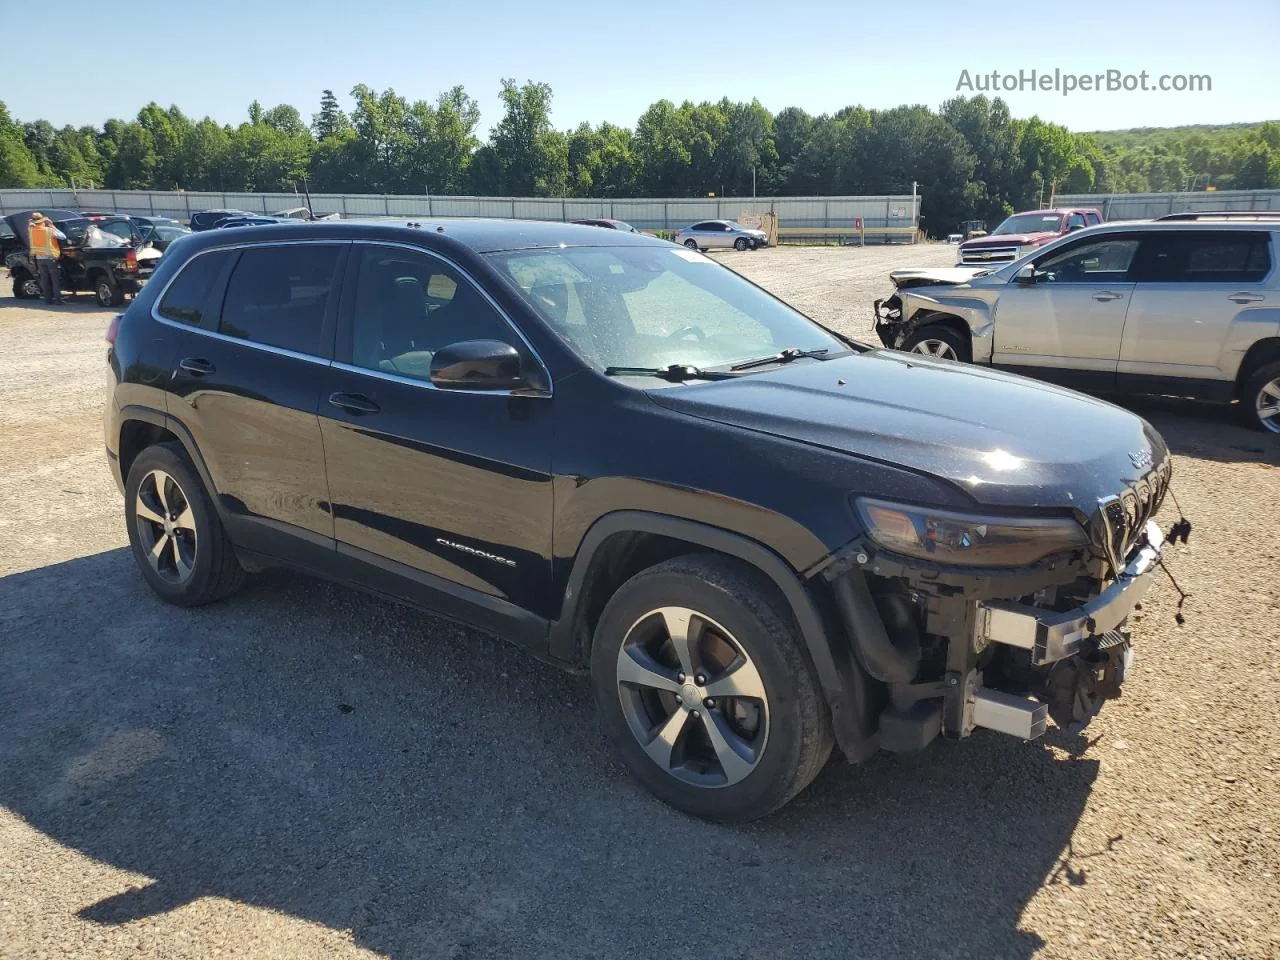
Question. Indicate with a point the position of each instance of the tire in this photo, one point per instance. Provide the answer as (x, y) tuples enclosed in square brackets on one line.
[(197, 564), (106, 291), (691, 244), (741, 622), (1260, 400), (741, 244), (938, 340), (25, 286)]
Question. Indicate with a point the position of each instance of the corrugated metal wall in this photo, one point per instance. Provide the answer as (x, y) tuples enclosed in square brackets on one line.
[(819, 213), (1145, 206)]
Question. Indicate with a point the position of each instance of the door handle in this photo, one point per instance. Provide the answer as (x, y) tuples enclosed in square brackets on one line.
[(353, 403), (1245, 297), (196, 366), (1102, 296)]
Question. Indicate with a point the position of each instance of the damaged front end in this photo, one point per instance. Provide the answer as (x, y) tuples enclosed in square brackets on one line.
[(896, 314), (958, 646)]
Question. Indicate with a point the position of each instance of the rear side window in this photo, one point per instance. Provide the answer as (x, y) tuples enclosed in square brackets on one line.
[(1092, 218), (1217, 256), (187, 299), (277, 296)]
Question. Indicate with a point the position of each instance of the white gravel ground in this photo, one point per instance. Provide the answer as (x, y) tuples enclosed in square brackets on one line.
[(304, 771)]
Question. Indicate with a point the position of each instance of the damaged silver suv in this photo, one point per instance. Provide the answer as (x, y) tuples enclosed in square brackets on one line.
[(1188, 305)]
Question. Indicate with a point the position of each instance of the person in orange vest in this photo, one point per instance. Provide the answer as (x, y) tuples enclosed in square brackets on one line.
[(43, 238)]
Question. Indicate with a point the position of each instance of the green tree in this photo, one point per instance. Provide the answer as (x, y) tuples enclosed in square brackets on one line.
[(330, 121), (530, 157), (17, 165)]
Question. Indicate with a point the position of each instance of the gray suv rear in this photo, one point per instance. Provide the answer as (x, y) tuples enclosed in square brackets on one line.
[(1184, 306)]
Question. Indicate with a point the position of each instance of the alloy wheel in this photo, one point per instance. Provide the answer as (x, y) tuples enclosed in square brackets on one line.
[(935, 348), (1268, 405), (692, 697), (166, 526), (31, 288), (104, 293)]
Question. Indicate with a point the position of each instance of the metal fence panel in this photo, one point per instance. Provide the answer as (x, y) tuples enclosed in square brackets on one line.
[(655, 213), (1145, 206)]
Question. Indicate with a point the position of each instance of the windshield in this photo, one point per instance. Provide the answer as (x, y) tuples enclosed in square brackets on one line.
[(1030, 223), (654, 306)]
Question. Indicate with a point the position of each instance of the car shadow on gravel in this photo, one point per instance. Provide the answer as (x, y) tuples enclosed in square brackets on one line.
[(305, 748), (1206, 431)]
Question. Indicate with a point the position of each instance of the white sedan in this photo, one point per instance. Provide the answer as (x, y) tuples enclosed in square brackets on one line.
[(721, 233)]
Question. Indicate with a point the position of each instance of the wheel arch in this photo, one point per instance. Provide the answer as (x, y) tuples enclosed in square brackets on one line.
[(621, 544), (1266, 350), (141, 427)]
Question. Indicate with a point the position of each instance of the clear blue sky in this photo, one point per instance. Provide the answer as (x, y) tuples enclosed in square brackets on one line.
[(610, 60)]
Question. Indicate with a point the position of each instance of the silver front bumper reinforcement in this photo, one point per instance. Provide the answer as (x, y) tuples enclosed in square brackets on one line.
[(1053, 636)]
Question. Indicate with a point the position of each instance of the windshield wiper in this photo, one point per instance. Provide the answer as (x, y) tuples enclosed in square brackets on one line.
[(676, 372), (785, 355)]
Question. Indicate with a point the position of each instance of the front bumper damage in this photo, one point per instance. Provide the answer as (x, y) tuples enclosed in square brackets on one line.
[(953, 660)]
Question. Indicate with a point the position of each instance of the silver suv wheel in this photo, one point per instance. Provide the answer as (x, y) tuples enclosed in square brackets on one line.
[(692, 697), (1267, 405), (936, 348)]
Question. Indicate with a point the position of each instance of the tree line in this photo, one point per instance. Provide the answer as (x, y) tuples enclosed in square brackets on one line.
[(970, 158)]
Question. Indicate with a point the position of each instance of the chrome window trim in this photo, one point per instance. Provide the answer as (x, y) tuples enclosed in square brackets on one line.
[(217, 335), (349, 367), (475, 285)]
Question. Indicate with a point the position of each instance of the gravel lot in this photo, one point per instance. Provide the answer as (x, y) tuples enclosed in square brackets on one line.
[(304, 771)]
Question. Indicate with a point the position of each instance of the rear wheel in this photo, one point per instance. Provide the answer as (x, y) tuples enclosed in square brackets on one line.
[(174, 531), (106, 291), (691, 244), (937, 340), (741, 243), (706, 690), (1260, 401)]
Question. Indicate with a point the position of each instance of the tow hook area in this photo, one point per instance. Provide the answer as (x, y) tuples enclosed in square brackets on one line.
[(1076, 687)]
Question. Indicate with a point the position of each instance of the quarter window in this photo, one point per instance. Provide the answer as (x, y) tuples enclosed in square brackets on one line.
[(187, 298), (408, 305), (1098, 261), (277, 296), (1205, 257)]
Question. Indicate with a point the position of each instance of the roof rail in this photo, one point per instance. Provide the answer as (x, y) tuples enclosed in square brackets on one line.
[(1254, 215)]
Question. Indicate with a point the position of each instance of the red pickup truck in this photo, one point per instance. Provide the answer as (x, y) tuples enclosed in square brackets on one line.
[(1023, 232)]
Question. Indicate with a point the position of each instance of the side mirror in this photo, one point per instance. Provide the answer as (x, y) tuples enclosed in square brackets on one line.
[(1028, 275), (477, 365)]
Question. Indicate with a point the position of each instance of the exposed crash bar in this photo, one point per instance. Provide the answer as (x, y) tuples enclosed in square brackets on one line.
[(1052, 636)]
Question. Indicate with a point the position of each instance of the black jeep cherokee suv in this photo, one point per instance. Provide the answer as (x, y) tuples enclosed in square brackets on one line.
[(759, 537)]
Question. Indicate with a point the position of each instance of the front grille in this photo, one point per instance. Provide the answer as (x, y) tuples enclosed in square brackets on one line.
[(1120, 520), (989, 255)]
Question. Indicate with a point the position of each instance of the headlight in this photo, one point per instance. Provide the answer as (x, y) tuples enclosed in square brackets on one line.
[(966, 540)]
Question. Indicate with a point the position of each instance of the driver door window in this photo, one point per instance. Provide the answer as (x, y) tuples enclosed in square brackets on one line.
[(1098, 261), (408, 305)]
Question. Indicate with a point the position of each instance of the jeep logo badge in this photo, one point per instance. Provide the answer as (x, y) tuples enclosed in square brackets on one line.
[(1141, 458)]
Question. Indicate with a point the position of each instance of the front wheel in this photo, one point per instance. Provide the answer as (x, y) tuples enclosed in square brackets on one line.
[(174, 531), (706, 690), (25, 286), (1261, 398), (741, 244), (937, 340)]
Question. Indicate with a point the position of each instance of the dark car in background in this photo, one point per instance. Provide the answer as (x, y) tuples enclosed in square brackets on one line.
[(159, 232), (251, 221), (208, 219), (92, 260), (757, 537), (609, 224)]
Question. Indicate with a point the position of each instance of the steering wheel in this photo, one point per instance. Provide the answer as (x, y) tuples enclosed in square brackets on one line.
[(688, 331)]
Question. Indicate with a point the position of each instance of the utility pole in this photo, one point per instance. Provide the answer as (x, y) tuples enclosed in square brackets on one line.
[(753, 183)]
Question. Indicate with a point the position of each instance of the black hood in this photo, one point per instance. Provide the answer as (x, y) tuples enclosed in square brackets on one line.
[(1006, 440)]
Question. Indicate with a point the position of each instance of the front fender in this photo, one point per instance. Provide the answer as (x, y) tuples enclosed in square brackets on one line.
[(918, 309), (845, 686)]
